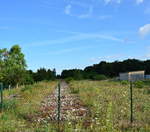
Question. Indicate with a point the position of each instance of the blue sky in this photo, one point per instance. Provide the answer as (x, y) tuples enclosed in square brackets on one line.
[(66, 34)]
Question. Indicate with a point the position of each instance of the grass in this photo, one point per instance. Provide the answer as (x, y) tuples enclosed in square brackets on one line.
[(20, 103), (109, 102)]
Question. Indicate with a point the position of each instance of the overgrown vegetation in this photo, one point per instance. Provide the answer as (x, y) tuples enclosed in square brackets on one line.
[(109, 103), (20, 104)]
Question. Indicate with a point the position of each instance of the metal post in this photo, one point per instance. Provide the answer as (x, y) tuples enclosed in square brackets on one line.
[(131, 102), (58, 104), (58, 107), (1, 96)]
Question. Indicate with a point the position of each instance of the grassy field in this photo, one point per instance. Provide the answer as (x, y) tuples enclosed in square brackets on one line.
[(20, 103), (108, 103)]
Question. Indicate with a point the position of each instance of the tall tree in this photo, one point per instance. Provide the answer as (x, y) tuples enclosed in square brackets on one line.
[(3, 58), (13, 65)]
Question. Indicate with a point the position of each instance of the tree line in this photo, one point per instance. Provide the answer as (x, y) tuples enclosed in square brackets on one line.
[(105, 69), (13, 69)]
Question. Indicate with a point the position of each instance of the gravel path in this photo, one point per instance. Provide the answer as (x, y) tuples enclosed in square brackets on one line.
[(71, 106)]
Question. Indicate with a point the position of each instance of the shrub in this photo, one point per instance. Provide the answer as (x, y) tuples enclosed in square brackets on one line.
[(99, 77), (139, 84), (124, 82), (69, 79)]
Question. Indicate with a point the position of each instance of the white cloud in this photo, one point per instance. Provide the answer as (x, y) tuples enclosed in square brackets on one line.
[(89, 13), (88, 6), (68, 9), (144, 30), (139, 1), (86, 15), (77, 36)]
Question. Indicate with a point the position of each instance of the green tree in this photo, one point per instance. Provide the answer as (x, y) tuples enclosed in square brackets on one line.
[(44, 74), (13, 66), (3, 58)]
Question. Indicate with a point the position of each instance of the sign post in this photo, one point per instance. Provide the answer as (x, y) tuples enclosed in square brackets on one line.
[(1, 96)]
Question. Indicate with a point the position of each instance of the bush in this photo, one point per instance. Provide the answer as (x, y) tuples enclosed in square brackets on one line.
[(69, 79), (124, 82), (99, 77), (139, 84)]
